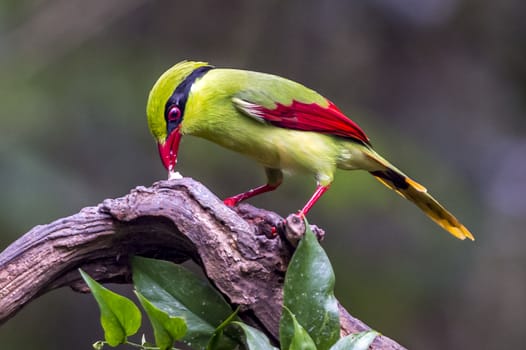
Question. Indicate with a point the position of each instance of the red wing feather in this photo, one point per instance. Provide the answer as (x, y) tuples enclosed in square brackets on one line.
[(312, 117)]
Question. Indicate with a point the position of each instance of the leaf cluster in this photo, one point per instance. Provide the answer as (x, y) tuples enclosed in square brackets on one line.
[(182, 307)]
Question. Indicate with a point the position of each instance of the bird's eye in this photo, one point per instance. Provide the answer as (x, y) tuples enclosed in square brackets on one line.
[(174, 114)]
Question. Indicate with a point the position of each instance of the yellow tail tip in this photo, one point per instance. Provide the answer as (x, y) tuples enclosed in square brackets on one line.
[(461, 232)]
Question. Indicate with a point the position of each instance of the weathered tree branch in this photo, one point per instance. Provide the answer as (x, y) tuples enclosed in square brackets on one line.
[(173, 220)]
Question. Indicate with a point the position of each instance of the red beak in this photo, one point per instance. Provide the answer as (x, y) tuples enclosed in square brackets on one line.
[(168, 150)]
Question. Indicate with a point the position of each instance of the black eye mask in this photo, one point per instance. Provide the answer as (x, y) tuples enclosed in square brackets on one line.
[(179, 98)]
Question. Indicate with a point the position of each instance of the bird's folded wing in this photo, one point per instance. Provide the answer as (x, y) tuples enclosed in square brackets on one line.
[(302, 116)]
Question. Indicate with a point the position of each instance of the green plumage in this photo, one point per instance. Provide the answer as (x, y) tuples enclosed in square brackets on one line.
[(211, 114), (226, 106)]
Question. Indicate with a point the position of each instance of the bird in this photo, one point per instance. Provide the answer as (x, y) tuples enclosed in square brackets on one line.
[(281, 124)]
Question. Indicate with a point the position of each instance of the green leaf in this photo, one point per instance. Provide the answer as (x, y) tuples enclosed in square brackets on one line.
[(178, 292), (119, 316), (309, 294), (299, 337), (357, 341), (166, 329), (254, 339)]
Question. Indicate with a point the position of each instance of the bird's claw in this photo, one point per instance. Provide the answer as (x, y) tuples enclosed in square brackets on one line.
[(230, 202)]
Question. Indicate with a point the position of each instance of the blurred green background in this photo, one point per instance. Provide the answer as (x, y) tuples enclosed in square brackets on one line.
[(438, 85)]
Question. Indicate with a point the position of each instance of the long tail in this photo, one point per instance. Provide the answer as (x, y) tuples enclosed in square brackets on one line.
[(393, 178)]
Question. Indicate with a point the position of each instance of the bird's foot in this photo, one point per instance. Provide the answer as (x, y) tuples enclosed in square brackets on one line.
[(231, 201)]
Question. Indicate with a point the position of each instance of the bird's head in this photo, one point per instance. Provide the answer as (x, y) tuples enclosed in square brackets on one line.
[(166, 106)]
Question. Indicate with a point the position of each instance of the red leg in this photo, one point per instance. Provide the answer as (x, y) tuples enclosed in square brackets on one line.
[(232, 201), (320, 190), (274, 176)]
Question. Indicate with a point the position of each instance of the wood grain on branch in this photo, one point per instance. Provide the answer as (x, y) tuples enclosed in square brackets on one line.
[(174, 220)]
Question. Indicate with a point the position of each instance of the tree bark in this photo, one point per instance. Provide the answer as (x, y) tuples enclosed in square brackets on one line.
[(175, 220)]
